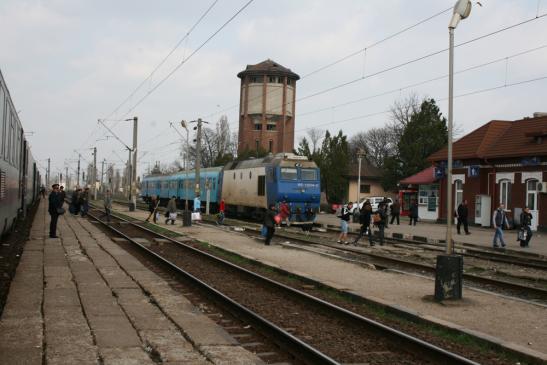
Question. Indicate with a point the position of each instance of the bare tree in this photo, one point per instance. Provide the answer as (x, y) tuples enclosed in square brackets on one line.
[(401, 111), (315, 135), (378, 143)]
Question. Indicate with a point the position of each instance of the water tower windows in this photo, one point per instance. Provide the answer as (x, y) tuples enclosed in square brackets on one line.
[(273, 79), (256, 79), (257, 126), (290, 82), (271, 126)]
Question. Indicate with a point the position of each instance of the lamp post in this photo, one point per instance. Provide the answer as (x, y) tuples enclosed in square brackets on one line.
[(448, 279), (360, 155)]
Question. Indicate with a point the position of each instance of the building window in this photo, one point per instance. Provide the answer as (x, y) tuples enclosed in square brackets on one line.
[(256, 79), (364, 189), (458, 192), (258, 127), (273, 79), (505, 192), (270, 126), (270, 145), (289, 82), (532, 194)]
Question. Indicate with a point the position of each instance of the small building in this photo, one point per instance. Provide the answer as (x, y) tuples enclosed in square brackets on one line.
[(502, 162), (370, 181), (423, 188), (266, 110)]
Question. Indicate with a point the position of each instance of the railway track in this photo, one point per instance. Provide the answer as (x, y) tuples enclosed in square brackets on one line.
[(311, 330), (385, 262)]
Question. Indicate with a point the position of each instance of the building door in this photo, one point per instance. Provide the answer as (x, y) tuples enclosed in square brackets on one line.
[(532, 201)]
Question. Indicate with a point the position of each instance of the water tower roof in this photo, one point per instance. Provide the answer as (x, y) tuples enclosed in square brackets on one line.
[(268, 67)]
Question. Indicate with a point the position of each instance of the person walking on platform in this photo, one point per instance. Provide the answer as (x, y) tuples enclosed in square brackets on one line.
[(499, 219), (285, 213), (107, 205), (171, 210), (365, 218), (269, 223), (221, 208), (84, 200), (525, 233), (345, 215), (152, 206), (197, 204), (55, 209), (62, 193), (461, 214), (413, 214), (395, 211), (380, 221)]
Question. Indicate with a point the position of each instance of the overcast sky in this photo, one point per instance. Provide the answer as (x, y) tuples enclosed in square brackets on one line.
[(69, 62)]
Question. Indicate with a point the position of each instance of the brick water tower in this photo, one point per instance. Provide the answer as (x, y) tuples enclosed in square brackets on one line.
[(266, 109)]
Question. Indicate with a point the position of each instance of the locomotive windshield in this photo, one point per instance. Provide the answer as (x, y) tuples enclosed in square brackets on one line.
[(289, 173), (309, 174)]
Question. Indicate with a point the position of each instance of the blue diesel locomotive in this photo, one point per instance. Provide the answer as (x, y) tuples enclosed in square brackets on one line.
[(247, 187)]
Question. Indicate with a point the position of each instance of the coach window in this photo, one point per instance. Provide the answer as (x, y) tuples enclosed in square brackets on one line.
[(241, 176), (289, 173), (250, 175), (261, 185), (2, 122), (505, 193), (234, 175)]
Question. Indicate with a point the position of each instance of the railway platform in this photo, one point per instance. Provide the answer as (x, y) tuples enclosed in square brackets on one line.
[(81, 299), (432, 232), (510, 322)]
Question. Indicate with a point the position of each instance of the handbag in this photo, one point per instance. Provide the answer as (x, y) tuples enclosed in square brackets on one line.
[(264, 231), (196, 216), (522, 235), (173, 216), (60, 210)]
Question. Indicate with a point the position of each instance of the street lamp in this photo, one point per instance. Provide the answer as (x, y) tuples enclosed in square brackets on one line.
[(448, 280), (360, 155)]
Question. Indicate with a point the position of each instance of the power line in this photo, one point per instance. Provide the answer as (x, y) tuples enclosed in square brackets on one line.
[(165, 58), (353, 53), (188, 58), (423, 82)]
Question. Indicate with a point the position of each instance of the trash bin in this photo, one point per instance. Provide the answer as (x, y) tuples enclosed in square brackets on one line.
[(186, 218)]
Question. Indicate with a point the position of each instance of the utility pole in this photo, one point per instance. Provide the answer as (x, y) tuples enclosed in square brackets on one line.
[(129, 179), (198, 154), (102, 174), (94, 175), (133, 204), (66, 177), (78, 182), (48, 172)]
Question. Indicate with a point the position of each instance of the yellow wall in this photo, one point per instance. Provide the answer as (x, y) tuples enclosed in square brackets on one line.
[(375, 190)]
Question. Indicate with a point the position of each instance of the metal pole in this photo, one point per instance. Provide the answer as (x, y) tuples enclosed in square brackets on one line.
[(198, 157), (186, 167), (78, 182), (359, 157), (66, 178), (94, 181), (48, 172), (133, 204), (449, 242), (102, 174), (128, 178)]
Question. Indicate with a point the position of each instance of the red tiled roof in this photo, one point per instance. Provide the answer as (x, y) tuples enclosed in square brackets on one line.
[(426, 176), (499, 139)]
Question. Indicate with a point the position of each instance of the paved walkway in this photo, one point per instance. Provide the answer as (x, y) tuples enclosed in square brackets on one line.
[(80, 299), (435, 232), (513, 323)]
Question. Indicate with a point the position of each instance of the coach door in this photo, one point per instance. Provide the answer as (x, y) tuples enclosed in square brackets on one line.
[(532, 201)]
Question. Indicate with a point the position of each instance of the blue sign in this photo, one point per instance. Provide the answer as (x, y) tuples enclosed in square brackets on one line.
[(457, 164), (530, 161), (439, 172), (474, 171)]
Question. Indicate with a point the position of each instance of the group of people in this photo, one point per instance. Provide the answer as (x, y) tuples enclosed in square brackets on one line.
[(79, 203), (367, 219)]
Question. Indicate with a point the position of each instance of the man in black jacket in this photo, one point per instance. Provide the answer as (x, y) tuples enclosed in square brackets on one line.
[(364, 219), (55, 203), (462, 213), (269, 222)]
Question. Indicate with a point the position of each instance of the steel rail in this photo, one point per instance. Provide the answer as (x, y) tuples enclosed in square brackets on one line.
[(413, 344)]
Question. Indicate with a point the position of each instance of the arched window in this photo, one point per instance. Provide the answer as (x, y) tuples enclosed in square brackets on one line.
[(532, 194), (458, 192), (505, 192)]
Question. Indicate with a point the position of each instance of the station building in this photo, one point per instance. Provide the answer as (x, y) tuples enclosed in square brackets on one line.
[(370, 181), (502, 162), (266, 109)]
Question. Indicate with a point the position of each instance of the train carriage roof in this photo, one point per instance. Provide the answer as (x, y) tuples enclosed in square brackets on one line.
[(280, 159)]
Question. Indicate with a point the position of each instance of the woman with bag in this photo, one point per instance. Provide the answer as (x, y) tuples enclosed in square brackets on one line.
[(525, 232), (171, 211)]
